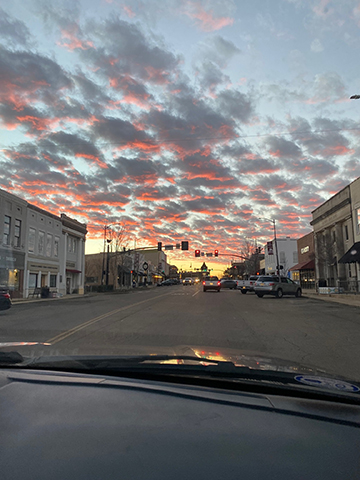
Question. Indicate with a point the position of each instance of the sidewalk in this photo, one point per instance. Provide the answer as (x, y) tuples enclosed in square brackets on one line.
[(344, 298), (19, 301)]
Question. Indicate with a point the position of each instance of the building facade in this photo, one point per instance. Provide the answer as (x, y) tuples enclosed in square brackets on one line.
[(287, 253), (43, 244), (333, 236), (72, 261), (304, 271), (13, 239)]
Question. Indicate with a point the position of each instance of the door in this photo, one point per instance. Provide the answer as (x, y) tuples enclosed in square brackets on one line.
[(68, 285)]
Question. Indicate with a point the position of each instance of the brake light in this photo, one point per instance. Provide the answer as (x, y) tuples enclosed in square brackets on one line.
[(203, 283), (271, 284), (219, 283)]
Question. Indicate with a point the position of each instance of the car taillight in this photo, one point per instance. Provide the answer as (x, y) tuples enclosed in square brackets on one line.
[(271, 284), (6, 295), (219, 283), (203, 283)]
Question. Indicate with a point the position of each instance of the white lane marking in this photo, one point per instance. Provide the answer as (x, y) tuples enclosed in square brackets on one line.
[(196, 293)]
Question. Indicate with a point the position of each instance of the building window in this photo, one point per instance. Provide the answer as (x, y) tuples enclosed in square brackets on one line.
[(71, 245), (31, 246), (349, 270), (56, 246), (295, 257), (32, 280), (7, 226), (17, 234), (48, 244), (346, 233), (358, 220), (41, 243), (52, 281), (282, 257)]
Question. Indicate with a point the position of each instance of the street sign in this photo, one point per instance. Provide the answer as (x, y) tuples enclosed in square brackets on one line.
[(169, 247), (145, 266), (209, 254), (178, 246)]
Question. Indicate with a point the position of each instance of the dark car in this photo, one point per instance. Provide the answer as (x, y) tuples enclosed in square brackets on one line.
[(166, 283), (5, 300), (277, 286), (228, 283)]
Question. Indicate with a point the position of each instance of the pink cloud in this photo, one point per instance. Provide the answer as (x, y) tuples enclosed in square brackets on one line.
[(205, 19), (71, 40)]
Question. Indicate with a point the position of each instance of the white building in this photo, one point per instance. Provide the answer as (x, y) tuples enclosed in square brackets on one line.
[(72, 260), (287, 253), (42, 243)]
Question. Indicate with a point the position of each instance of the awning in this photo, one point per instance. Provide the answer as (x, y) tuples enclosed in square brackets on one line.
[(310, 265), (352, 255), (73, 271)]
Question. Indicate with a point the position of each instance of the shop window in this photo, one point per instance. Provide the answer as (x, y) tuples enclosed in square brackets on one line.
[(31, 244), (52, 281), (7, 225), (48, 244), (41, 243), (17, 233), (32, 280)]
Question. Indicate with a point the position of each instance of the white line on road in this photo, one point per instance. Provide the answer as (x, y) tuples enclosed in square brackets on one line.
[(195, 293), (70, 332)]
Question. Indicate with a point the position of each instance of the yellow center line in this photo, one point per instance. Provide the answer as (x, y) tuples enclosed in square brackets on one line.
[(70, 332)]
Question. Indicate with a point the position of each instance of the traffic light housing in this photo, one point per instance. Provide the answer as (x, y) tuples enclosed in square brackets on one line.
[(197, 253), (159, 246), (216, 253), (184, 245)]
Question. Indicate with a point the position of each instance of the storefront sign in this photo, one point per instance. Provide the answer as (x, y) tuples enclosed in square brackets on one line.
[(11, 259), (70, 264), (40, 267), (305, 249)]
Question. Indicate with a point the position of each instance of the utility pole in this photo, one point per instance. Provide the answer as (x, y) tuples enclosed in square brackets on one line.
[(276, 247)]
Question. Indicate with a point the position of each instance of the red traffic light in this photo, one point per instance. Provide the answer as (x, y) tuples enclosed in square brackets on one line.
[(216, 253), (197, 253)]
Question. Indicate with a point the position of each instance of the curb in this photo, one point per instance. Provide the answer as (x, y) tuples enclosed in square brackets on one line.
[(352, 302)]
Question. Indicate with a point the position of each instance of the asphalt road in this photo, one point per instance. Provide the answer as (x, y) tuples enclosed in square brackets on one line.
[(169, 319)]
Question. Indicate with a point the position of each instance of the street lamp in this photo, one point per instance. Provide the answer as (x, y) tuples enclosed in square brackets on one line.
[(273, 221)]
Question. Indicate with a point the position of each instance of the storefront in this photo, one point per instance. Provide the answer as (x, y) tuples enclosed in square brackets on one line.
[(304, 272), (73, 278), (12, 272), (42, 275)]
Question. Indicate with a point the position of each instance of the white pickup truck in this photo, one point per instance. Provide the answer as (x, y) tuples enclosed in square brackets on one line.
[(247, 285)]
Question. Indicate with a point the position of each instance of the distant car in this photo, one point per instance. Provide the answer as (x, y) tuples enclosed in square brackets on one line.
[(277, 286), (197, 280), (211, 283), (188, 281), (228, 283), (166, 283), (5, 300)]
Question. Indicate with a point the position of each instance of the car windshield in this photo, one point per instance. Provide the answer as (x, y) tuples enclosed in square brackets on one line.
[(165, 143)]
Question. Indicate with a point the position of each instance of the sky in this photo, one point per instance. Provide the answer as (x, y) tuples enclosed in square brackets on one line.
[(193, 120)]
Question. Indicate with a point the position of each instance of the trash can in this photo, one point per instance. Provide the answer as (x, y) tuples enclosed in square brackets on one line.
[(45, 292)]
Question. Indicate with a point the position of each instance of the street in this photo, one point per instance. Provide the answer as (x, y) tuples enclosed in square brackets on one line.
[(162, 320)]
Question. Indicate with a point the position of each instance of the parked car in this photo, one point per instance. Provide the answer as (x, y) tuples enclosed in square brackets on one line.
[(247, 285), (5, 300), (188, 281), (277, 286), (211, 283), (228, 283), (166, 283)]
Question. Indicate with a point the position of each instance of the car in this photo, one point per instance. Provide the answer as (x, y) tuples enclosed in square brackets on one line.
[(276, 286), (188, 281), (247, 285), (211, 283), (228, 283), (5, 300), (166, 283)]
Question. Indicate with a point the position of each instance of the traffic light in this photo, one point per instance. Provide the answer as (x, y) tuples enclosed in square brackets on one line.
[(159, 246), (216, 253), (184, 245), (197, 253)]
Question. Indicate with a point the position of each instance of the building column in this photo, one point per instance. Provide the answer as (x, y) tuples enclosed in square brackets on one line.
[(38, 280)]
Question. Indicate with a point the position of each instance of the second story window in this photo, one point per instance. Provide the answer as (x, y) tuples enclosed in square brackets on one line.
[(346, 233), (17, 233), (48, 244), (56, 246), (41, 243), (31, 241), (7, 225), (71, 245)]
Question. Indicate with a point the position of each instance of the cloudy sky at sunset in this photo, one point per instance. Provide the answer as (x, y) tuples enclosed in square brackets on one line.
[(183, 119)]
